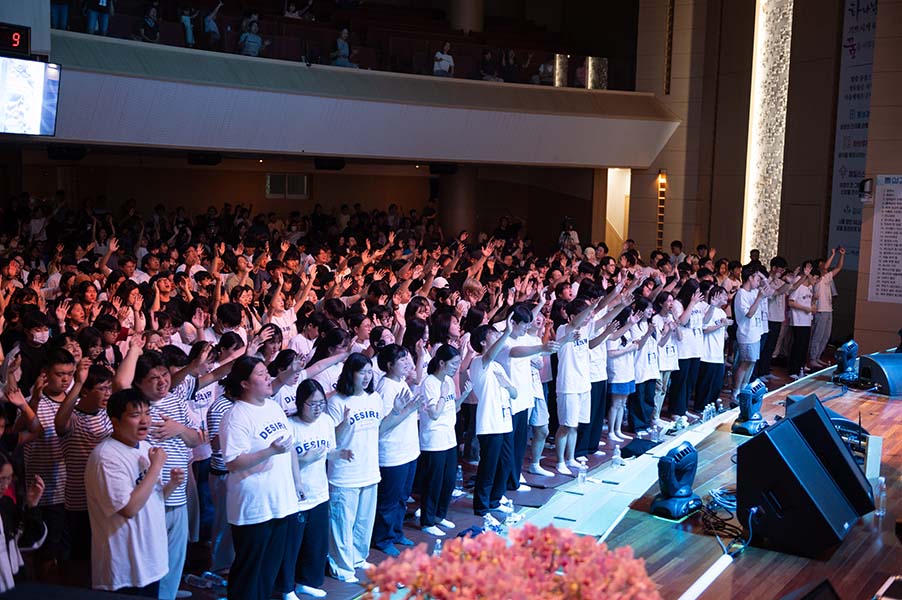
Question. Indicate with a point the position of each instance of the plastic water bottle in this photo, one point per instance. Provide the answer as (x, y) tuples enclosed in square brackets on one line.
[(880, 498), (198, 582), (437, 548), (459, 482), (617, 458), (581, 473)]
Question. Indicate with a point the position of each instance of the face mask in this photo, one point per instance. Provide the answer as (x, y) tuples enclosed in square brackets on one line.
[(41, 338)]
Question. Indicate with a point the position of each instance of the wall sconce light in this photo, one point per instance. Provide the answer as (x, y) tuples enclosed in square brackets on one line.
[(662, 201)]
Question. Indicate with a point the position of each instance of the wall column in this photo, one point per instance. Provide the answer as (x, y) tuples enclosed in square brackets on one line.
[(599, 207), (467, 15), (457, 201)]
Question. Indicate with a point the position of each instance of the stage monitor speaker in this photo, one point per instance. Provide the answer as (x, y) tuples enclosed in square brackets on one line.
[(207, 159), (329, 164), (883, 371), (813, 421), (65, 152), (801, 510)]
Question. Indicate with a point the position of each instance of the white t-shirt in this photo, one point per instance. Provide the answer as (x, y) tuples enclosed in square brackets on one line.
[(401, 444), (438, 434), (519, 371), (748, 330), (691, 344), (536, 364), (714, 341), (802, 295), (573, 362), (823, 292), (124, 552), (444, 62), (647, 355), (621, 369), (493, 406), (598, 356), (303, 346), (286, 322), (667, 354), (311, 437), (265, 491), (359, 432), (776, 306), (329, 378)]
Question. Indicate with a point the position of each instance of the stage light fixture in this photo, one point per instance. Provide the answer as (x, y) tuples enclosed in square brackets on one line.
[(750, 399), (846, 371), (676, 474)]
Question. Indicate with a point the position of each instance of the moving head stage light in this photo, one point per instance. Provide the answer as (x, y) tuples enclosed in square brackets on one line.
[(676, 474)]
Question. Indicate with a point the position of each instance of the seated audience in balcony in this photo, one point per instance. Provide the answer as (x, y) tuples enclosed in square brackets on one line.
[(211, 28), (149, 27), (59, 14), (545, 74), (511, 70), (250, 43), (487, 69), (306, 13), (341, 56), (250, 17), (187, 20), (443, 62), (99, 12)]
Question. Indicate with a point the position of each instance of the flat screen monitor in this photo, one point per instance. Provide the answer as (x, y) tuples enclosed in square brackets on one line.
[(29, 91)]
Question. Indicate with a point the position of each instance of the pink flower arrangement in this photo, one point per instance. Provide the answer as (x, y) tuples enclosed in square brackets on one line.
[(548, 563)]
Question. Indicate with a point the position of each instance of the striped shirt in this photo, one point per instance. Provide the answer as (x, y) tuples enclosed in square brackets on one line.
[(85, 432), (216, 412), (44, 456), (178, 456)]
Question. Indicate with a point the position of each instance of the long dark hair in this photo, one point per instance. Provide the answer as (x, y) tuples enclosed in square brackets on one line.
[(443, 353), (241, 372), (355, 362), (685, 295), (305, 389), (334, 338)]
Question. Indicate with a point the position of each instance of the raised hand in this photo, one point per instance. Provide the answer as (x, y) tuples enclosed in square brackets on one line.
[(34, 492)]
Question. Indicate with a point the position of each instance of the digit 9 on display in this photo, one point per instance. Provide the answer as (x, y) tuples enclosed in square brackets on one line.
[(15, 39)]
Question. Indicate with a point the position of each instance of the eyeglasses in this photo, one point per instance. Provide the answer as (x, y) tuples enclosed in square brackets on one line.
[(320, 405)]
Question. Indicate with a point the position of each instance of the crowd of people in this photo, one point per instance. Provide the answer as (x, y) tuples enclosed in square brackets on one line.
[(204, 29), (281, 385)]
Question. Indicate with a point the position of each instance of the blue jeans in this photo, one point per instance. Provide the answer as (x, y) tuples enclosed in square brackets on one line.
[(59, 16), (98, 22)]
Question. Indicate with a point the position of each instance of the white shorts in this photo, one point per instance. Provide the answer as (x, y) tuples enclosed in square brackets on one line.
[(573, 409), (538, 417)]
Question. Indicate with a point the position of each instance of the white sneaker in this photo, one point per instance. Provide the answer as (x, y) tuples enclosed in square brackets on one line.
[(599, 453), (366, 565), (349, 579), (447, 524), (506, 508), (290, 596), (524, 488), (416, 513), (310, 591), (562, 469), (506, 500), (522, 479), (433, 530), (574, 463), (536, 469)]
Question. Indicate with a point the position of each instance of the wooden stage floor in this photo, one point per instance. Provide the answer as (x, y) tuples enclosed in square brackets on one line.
[(677, 555)]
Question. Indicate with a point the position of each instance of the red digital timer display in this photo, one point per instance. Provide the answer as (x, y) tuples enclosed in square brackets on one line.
[(15, 39)]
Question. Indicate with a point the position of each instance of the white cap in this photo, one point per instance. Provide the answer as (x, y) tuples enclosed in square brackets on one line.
[(439, 283)]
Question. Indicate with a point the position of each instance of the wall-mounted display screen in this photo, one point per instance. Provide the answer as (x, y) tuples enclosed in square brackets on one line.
[(29, 92)]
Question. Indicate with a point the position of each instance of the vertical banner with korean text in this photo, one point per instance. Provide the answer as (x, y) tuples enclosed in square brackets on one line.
[(852, 113)]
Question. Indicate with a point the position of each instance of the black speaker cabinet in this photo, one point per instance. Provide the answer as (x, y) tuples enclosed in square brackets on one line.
[(813, 422), (883, 371), (800, 509)]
